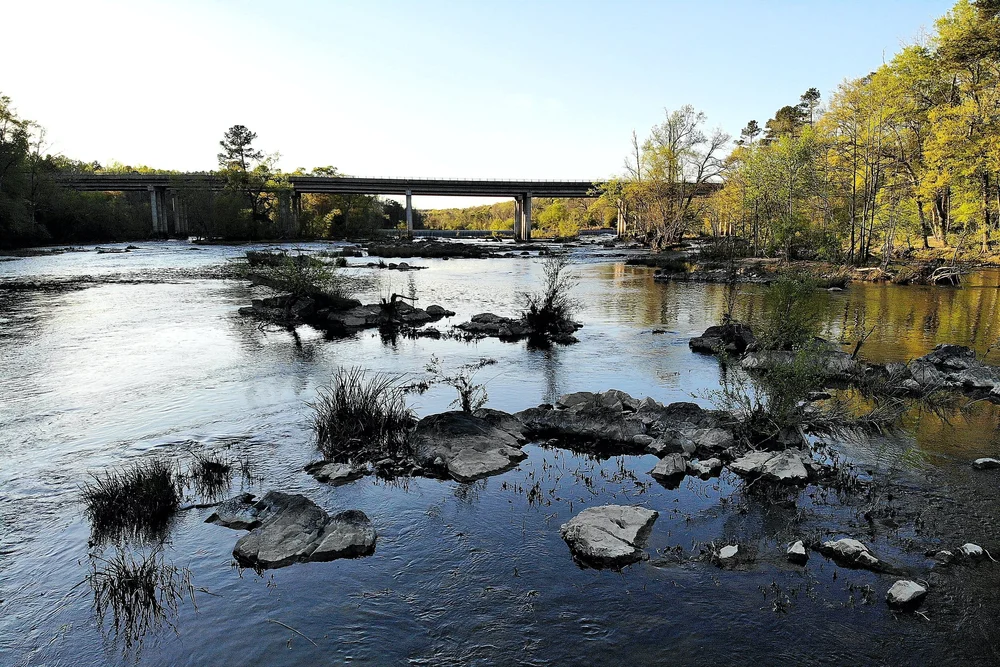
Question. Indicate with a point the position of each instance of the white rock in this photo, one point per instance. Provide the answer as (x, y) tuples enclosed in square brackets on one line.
[(970, 550), (642, 440), (786, 467), (610, 535), (797, 553), (850, 552), (985, 464), (751, 463), (727, 552), (905, 593), (705, 468)]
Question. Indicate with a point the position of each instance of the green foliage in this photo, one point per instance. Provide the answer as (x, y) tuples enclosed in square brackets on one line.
[(770, 402), (362, 417), (298, 275), (136, 501), (790, 318)]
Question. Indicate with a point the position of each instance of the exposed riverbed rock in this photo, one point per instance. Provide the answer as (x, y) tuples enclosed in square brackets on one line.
[(985, 464), (971, 551), (953, 367), (906, 594), (293, 528), (610, 535), (486, 325), (850, 552), (331, 472), (828, 363), (704, 469), (787, 467), (732, 338), (463, 446), (670, 469), (238, 513), (797, 553)]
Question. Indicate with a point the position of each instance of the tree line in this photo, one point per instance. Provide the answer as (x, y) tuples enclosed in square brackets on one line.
[(905, 157)]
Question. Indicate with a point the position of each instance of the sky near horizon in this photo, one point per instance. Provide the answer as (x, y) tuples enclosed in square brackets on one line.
[(513, 89)]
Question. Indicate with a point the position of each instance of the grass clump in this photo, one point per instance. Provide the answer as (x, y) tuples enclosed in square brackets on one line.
[(362, 417), (211, 474), (140, 591), (136, 501)]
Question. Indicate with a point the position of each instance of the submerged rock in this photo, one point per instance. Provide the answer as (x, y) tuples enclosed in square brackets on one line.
[(985, 464), (463, 446), (506, 328), (850, 552), (237, 512), (293, 528), (797, 553), (334, 473), (610, 535), (906, 594)]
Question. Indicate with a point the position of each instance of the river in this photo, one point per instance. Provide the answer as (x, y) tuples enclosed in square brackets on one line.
[(108, 358)]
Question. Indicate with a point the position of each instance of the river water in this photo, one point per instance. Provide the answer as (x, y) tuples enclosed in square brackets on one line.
[(108, 358)]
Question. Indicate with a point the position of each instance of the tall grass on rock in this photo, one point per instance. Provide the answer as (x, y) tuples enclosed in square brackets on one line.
[(547, 312), (362, 416), (791, 316), (133, 502)]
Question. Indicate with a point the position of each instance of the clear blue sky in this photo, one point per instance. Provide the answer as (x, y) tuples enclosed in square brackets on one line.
[(431, 88)]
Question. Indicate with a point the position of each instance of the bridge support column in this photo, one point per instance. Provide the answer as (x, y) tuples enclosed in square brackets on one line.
[(296, 212), (152, 209), (526, 227), (620, 205), (158, 208), (518, 219), (409, 213), (175, 204)]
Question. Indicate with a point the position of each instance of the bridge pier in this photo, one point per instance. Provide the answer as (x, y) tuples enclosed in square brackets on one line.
[(409, 212), (526, 218), (518, 221), (620, 205), (296, 213), (175, 203), (158, 208)]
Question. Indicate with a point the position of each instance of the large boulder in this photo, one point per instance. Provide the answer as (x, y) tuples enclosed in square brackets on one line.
[(670, 469), (610, 535), (463, 446), (786, 467), (347, 535), (729, 338), (591, 423)]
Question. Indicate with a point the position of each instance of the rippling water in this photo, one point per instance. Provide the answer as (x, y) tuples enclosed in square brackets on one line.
[(144, 353)]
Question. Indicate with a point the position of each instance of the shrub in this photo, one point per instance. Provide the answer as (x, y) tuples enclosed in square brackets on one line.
[(769, 402), (791, 314), (132, 502), (547, 312), (362, 417)]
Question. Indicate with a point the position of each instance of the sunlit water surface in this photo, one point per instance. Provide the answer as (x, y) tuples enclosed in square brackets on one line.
[(151, 358)]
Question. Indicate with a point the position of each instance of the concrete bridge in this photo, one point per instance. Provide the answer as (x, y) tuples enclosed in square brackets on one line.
[(164, 187)]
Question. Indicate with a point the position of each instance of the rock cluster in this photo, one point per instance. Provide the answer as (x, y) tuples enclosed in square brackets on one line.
[(852, 553), (488, 325), (289, 528), (731, 338)]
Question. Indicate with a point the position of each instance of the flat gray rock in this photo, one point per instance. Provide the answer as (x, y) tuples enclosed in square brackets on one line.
[(334, 473), (985, 464), (970, 550), (238, 513), (465, 446), (706, 468), (348, 534), (671, 467), (786, 467), (610, 535), (751, 463), (906, 594)]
